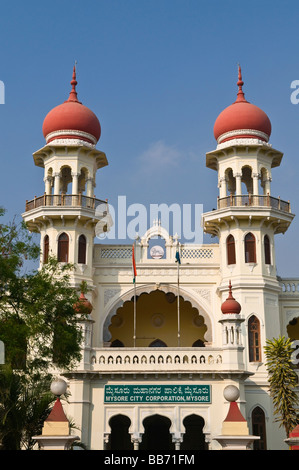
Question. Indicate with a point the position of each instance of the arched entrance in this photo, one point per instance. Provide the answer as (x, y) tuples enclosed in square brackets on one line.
[(119, 438), (156, 435), (157, 322), (194, 438)]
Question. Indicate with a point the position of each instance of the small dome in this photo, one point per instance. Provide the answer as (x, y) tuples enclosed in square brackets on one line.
[(83, 305), (230, 305), (242, 120), (72, 120)]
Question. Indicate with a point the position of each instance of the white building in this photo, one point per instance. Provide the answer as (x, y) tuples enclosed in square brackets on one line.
[(153, 371)]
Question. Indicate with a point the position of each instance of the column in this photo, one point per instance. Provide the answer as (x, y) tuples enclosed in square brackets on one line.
[(222, 187), (75, 178), (47, 181), (177, 442), (56, 183), (89, 187), (255, 177), (267, 186), (56, 189), (136, 439), (238, 184)]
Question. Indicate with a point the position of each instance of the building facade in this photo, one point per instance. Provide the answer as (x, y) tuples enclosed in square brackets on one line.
[(158, 353)]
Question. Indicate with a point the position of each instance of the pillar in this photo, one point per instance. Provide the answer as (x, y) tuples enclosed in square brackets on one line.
[(75, 182), (56, 183), (255, 184), (89, 187), (238, 184)]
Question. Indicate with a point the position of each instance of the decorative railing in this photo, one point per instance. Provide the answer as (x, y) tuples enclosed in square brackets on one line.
[(252, 200), (156, 359), (64, 200), (189, 254), (289, 286)]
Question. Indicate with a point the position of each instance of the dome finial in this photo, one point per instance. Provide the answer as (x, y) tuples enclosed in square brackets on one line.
[(73, 92), (240, 83)]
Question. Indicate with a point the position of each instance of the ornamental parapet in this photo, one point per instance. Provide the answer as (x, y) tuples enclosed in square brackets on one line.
[(251, 200), (159, 360), (65, 200), (289, 286)]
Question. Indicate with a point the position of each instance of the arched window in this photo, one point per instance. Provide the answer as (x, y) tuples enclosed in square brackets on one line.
[(254, 339), (158, 343), (63, 248), (259, 428), (117, 344), (250, 255), (267, 250), (231, 251), (82, 250), (46, 249)]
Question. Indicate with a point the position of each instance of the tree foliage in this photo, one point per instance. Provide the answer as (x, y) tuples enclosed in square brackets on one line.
[(40, 331), (283, 380)]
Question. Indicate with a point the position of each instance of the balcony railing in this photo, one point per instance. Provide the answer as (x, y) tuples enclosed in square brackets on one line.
[(64, 200), (250, 200), (147, 360)]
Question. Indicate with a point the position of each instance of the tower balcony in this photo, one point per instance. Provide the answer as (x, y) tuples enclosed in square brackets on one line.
[(247, 209), (249, 200), (63, 207), (64, 200)]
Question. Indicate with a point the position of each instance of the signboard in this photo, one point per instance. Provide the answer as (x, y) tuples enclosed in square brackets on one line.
[(157, 394)]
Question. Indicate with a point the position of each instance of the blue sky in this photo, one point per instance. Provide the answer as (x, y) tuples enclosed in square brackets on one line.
[(157, 73)]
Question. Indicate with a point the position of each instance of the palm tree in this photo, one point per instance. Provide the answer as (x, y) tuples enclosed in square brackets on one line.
[(283, 380), (23, 408)]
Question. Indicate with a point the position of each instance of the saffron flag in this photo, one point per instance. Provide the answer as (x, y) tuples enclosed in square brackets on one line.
[(133, 265), (177, 257)]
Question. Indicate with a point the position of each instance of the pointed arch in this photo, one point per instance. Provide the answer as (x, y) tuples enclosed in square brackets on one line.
[(231, 249), (254, 339), (267, 249), (46, 249), (63, 248), (250, 248), (82, 245), (259, 428)]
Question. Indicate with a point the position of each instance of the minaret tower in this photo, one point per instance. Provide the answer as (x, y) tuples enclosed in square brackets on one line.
[(68, 211), (247, 216)]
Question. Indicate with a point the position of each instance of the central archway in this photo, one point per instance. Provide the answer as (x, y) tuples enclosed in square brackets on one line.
[(194, 438), (157, 322), (156, 435)]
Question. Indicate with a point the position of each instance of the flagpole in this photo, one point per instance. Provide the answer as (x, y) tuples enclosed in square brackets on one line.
[(134, 337), (178, 260), (179, 327), (134, 281)]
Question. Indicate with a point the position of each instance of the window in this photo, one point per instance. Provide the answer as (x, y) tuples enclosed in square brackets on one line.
[(158, 343), (259, 428), (254, 339), (250, 256), (267, 250), (63, 248), (46, 249), (230, 248), (82, 250)]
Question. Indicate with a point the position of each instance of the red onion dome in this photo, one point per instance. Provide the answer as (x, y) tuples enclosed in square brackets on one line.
[(242, 120), (230, 305), (83, 305), (72, 120)]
